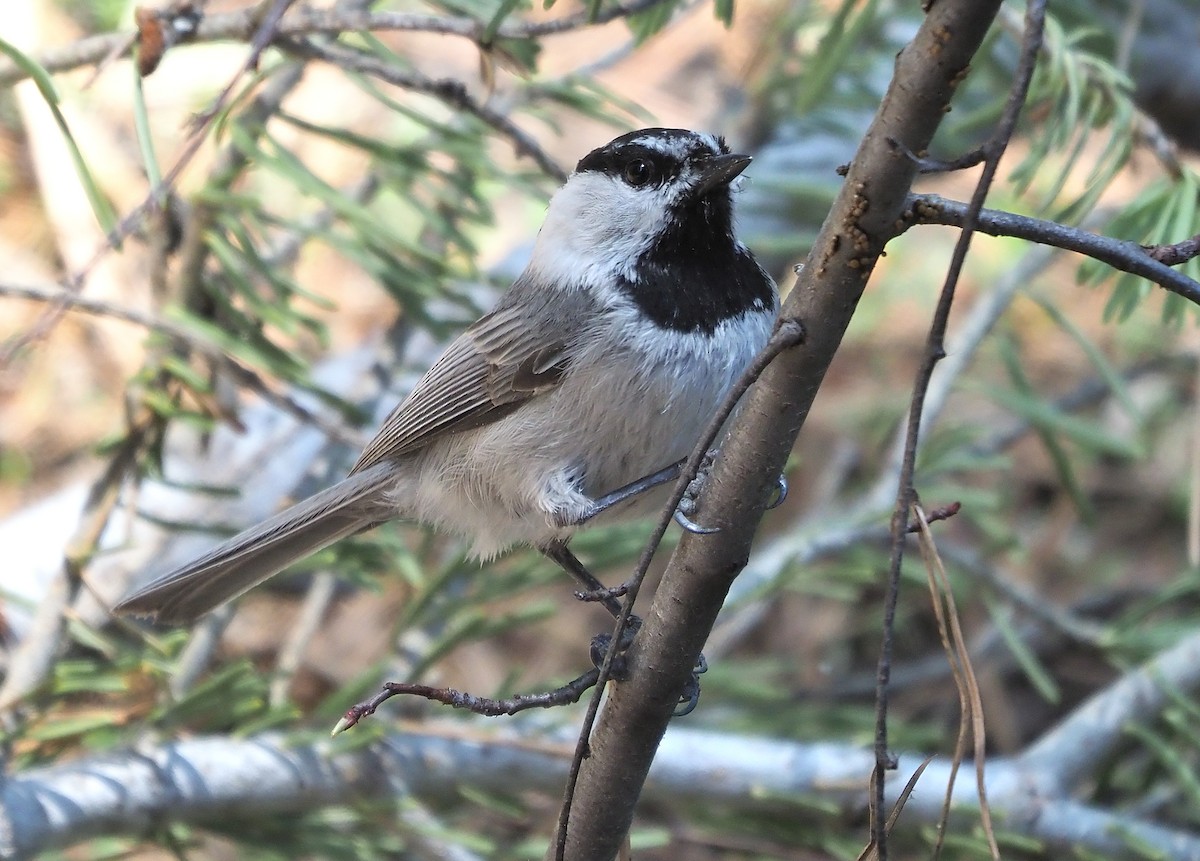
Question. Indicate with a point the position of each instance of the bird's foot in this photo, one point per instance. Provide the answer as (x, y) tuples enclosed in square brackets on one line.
[(601, 643), (690, 698), (688, 505), (690, 502)]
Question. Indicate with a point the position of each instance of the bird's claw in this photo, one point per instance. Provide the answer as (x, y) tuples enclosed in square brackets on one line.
[(690, 698), (602, 642), (692, 526), (781, 492), (619, 670), (687, 505)]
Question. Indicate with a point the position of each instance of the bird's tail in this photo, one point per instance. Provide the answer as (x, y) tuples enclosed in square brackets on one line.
[(249, 558)]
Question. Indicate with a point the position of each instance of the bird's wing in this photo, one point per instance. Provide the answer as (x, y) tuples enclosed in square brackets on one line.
[(500, 362)]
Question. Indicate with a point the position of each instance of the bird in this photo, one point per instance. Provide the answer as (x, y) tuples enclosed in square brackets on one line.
[(596, 371)]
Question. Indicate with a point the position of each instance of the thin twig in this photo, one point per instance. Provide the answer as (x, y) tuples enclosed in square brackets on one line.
[(1117, 253), (154, 199), (305, 21), (195, 341), (569, 693), (56, 295), (1173, 255), (448, 90), (336, 21), (935, 350)]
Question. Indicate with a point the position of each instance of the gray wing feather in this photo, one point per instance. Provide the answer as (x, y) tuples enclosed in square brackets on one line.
[(517, 352), (250, 557), (501, 361)]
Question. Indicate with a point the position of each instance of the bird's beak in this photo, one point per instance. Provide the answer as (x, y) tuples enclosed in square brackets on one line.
[(720, 170)]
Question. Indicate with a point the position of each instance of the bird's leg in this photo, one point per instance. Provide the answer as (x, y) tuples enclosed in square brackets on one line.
[(648, 482), (562, 556), (603, 503), (691, 496), (593, 589), (687, 505)]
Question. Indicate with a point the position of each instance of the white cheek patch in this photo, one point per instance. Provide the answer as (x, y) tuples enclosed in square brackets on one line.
[(596, 228)]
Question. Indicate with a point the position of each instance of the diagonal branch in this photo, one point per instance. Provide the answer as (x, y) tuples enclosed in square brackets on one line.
[(1071, 752), (448, 90), (863, 219)]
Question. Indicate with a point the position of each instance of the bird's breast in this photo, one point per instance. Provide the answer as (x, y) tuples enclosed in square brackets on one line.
[(640, 399), (633, 400)]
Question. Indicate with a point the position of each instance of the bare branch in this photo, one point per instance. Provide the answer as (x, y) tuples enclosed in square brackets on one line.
[(686, 602), (563, 695), (451, 91), (263, 105), (226, 780), (196, 342), (242, 25), (55, 295), (1071, 752), (1173, 255), (1117, 253), (935, 350)]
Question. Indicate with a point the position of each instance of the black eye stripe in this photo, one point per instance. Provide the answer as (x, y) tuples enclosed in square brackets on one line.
[(613, 161)]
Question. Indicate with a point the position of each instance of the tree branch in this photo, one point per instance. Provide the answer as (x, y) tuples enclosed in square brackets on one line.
[(1117, 253), (1071, 752), (329, 424), (906, 496), (863, 219), (242, 25), (448, 90), (226, 780)]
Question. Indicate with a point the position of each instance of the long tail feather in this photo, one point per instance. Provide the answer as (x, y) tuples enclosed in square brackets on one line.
[(250, 557)]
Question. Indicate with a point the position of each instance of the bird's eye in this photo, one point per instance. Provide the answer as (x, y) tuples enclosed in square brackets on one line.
[(639, 172)]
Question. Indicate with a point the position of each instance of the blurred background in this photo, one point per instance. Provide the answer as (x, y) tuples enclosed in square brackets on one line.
[(333, 225)]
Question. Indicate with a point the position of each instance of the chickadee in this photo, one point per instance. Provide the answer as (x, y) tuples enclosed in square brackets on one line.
[(601, 364)]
